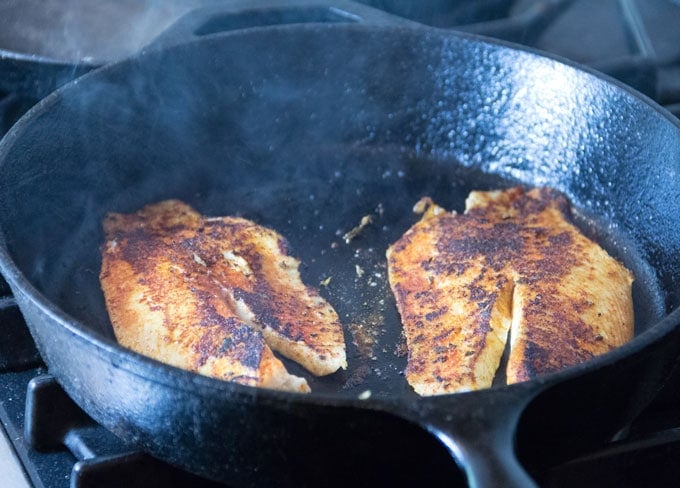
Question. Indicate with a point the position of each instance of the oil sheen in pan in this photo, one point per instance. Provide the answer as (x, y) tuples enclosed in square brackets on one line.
[(313, 197), (353, 275)]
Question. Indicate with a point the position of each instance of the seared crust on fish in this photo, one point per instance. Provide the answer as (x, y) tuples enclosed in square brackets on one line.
[(512, 263), (209, 294), (263, 285)]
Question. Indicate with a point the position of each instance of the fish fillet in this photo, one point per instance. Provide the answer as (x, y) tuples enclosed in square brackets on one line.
[(212, 295), (514, 265)]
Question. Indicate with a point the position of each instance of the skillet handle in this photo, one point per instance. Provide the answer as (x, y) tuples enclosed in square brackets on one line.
[(248, 14), (479, 429)]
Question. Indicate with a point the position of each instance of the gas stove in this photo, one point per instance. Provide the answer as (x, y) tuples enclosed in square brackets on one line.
[(635, 42)]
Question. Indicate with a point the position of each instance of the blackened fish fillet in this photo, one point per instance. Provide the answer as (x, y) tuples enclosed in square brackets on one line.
[(512, 263), (187, 290)]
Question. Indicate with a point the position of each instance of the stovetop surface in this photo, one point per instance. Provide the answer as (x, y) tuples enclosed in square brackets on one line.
[(637, 42)]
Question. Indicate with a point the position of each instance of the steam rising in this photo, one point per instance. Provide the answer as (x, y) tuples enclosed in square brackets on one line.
[(260, 122), (89, 32)]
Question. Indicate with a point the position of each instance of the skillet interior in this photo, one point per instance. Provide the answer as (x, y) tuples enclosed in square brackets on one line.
[(308, 140)]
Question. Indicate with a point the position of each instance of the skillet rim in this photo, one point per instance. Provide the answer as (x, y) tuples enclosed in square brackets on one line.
[(157, 372)]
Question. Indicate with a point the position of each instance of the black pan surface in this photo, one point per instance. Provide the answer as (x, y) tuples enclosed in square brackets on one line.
[(308, 140)]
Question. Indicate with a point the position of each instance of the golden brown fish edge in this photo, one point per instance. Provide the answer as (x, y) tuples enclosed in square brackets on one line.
[(273, 373), (516, 370)]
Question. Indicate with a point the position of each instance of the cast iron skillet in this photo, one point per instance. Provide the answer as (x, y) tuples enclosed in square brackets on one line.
[(307, 128)]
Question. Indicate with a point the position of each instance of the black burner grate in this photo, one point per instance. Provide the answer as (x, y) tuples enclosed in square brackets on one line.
[(58, 444)]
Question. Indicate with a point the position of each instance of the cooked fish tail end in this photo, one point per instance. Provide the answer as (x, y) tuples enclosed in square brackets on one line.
[(318, 359), (275, 376), (319, 363), (474, 363)]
